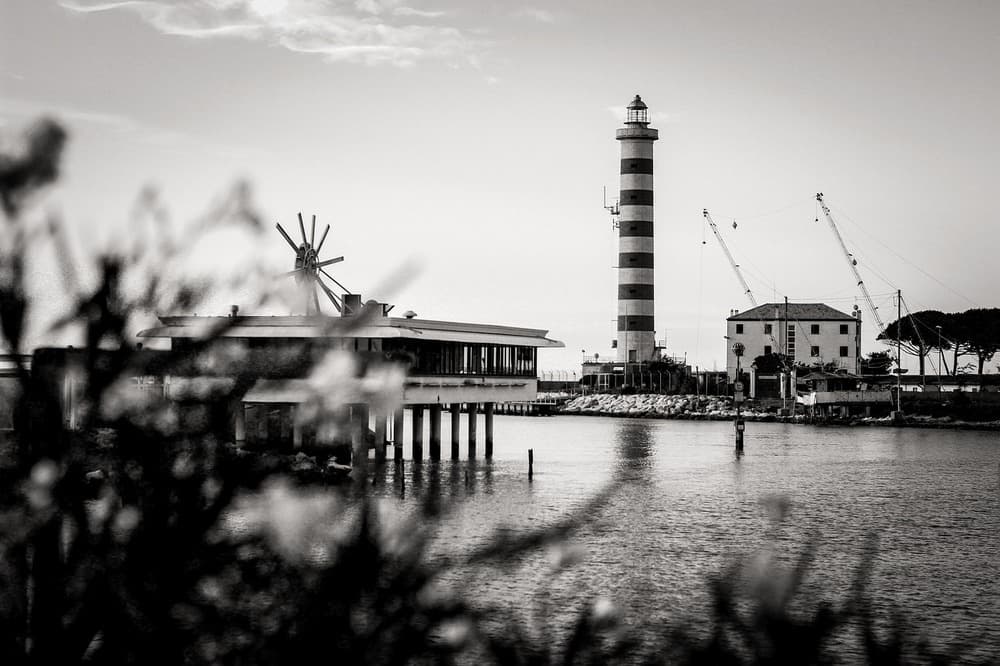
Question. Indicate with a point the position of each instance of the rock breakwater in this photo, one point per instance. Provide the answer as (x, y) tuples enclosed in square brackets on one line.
[(658, 406)]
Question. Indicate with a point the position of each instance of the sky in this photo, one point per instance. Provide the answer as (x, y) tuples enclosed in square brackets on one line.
[(471, 141)]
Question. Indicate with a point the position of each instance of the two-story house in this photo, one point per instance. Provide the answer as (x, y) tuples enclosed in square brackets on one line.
[(806, 333)]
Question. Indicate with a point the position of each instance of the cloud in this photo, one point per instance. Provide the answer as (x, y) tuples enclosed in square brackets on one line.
[(24, 109), (422, 13), (534, 13), (368, 31)]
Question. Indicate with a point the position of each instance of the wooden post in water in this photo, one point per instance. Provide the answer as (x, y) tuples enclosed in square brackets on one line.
[(436, 432), (380, 429), (359, 440), (473, 409), (417, 412), (397, 434), (456, 428), (531, 464), (488, 417)]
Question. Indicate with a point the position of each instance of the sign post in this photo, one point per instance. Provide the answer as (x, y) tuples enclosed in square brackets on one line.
[(739, 426)]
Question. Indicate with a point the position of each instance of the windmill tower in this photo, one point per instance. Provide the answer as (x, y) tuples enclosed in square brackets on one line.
[(636, 337), (309, 269)]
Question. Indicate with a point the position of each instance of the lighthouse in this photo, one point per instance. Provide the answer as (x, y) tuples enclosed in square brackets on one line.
[(636, 338)]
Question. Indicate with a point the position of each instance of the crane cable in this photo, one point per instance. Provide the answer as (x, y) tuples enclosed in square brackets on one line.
[(841, 212)]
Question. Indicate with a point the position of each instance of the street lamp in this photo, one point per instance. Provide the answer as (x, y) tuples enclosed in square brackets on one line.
[(940, 356)]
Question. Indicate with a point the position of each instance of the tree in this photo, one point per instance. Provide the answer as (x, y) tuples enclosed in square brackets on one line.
[(876, 363), (916, 334), (978, 330), (769, 363)]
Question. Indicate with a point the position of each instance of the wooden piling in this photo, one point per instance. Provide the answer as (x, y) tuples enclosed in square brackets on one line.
[(473, 410), (456, 426), (488, 417), (435, 432), (531, 464), (417, 413), (380, 430), (397, 434), (359, 440)]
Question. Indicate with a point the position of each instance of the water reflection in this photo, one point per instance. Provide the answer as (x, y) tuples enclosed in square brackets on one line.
[(634, 444), (454, 479)]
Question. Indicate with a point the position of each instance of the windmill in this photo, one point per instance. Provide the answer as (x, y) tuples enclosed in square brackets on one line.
[(309, 272)]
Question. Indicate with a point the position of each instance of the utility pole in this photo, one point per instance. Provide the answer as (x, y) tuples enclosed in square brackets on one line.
[(899, 353), (786, 375)]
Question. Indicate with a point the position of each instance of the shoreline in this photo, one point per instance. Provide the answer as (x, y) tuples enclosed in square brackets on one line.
[(717, 408)]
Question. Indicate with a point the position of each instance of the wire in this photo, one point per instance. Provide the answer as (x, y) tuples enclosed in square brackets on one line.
[(797, 202), (844, 214)]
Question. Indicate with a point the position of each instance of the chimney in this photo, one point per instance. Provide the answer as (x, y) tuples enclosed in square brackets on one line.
[(352, 305), (234, 310)]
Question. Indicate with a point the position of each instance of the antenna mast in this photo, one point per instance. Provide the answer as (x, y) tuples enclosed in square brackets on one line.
[(612, 208)]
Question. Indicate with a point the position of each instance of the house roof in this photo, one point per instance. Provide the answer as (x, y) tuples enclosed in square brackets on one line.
[(335, 327), (795, 311)]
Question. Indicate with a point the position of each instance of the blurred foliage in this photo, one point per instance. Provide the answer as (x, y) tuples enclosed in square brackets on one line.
[(142, 535)]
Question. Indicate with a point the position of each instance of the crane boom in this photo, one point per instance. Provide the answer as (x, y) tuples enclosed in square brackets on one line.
[(852, 262), (729, 256)]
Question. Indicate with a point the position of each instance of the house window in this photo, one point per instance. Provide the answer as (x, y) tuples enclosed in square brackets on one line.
[(814, 329), (767, 329), (767, 350), (843, 351), (633, 355), (843, 329), (814, 351), (739, 329)]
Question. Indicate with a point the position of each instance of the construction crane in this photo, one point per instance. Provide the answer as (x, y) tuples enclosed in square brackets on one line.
[(853, 263), (729, 256)]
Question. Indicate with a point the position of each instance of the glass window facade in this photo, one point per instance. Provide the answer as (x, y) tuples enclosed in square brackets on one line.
[(430, 357)]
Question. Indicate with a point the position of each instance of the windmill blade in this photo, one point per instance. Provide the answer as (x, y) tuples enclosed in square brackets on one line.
[(335, 260), (302, 228), (318, 247), (332, 279), (286, 237), (329, 294), (289, 273), (312, 236)]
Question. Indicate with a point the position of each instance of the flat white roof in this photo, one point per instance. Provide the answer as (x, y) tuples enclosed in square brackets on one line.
[(304, 327)]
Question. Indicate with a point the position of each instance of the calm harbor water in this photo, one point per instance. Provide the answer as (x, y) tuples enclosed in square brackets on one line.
[(687, 508)]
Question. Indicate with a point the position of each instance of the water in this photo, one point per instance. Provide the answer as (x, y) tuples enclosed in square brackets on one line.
[(688, 507)]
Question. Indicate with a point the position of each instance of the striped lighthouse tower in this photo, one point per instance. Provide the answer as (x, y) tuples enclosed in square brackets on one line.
[(636, 342)]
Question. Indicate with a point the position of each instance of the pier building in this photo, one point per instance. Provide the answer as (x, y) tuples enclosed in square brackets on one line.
[(461, 367), (636, 341)]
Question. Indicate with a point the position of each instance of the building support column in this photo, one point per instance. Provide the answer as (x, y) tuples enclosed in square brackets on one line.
[(240, 423), (397, 434), (296, 429), (359, 439), (342, 440), (473, 417), (380, 429), (435, 432), (456, 428), (417, 413), (488, 412)]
